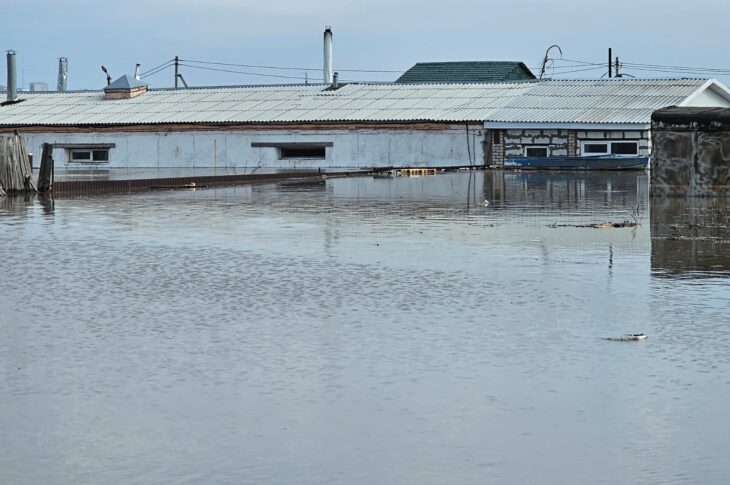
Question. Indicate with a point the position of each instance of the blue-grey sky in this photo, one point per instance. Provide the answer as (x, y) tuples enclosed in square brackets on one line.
[(368, 34)]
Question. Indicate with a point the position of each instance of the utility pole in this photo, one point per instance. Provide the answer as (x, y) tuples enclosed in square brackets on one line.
[(610, 60), (177, 64)]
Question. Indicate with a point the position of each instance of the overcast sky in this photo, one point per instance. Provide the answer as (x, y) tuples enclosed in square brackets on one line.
[(368, 34)]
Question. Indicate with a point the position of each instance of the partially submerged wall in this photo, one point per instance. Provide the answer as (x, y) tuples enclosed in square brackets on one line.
[(248, 147), (691, 152), (513, 143)]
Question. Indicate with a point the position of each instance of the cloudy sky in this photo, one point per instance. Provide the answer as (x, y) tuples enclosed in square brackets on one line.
[(388, 35)]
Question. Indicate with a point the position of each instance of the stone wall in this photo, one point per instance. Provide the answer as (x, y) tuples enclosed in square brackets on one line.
[(690, 158)]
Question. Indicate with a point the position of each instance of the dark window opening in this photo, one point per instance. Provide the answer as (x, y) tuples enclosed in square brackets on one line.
[(595, 148), (101, 155), (81, 156), (495, 137), (302, 152), (625, 148), (536, 151)]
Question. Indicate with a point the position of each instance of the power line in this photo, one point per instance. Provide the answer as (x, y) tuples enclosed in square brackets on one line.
[(244, 72), (286, 68), (580, 70), (649, 67), (163, 65), (153, 72)]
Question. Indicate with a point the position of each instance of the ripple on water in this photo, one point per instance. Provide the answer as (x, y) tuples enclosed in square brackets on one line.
[(359, 331)]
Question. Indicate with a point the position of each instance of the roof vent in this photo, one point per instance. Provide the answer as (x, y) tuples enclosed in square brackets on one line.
[(125, 87)]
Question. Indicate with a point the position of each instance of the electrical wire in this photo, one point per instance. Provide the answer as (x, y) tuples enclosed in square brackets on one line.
[(284, 67), (156, 69), (155, 72), (301, 78)]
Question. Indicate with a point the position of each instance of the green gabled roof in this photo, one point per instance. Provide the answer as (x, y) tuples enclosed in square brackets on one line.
[(467, 71)]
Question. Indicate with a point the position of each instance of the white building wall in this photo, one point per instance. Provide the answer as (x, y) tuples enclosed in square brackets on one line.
[(355, 148), (708, 98)]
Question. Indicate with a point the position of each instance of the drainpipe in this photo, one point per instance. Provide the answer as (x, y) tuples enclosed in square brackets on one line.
[(12, 78), (328, 55)]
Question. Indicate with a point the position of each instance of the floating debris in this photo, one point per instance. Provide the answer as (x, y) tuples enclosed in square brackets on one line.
[(605, 225), (629, 337)]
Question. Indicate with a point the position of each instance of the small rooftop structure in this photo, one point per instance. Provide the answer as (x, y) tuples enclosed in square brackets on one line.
[(466, 72), (125, 87)]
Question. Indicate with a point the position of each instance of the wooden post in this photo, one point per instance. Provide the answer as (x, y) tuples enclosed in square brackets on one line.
[(45, 176), (15, 173)]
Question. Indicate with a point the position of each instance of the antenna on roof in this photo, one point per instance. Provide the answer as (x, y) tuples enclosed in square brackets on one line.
[(108, 77), (610, 53), (547, 58)]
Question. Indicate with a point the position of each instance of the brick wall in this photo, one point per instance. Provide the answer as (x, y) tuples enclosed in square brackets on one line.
[(642, 136)]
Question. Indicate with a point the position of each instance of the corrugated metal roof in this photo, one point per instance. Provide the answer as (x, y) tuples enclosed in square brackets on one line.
[(602, 101), (595, 101)]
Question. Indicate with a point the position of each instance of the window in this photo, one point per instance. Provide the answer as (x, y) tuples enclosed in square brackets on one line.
[(595, 148), (313, 150), (101, 155), (317, 152), (536, 151), (625, 148), (80, 156), (610, 148), (87, 155), (495, 137), (91, 154)]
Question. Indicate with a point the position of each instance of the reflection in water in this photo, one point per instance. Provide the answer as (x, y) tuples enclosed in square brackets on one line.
[(359, 331), (690, 236)]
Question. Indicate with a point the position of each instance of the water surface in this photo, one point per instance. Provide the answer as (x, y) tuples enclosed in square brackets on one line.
[(365, 331)]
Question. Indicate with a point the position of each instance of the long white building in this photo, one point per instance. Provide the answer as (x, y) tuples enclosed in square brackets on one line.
[(128, 125)]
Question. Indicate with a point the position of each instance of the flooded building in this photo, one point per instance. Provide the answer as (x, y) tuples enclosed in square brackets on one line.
[(589, 117), (691, 151), (352, 125)]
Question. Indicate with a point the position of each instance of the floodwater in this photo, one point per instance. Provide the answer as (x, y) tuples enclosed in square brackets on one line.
[(367, 331)]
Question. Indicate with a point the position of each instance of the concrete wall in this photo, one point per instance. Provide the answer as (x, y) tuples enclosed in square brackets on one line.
[(443, 145), (559, 142), (690, 160)]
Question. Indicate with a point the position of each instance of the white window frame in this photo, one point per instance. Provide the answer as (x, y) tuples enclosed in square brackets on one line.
[(608, 144), (91, 160), (547, 150)]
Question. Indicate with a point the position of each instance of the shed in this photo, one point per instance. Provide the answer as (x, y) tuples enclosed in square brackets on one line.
[(691, 154)]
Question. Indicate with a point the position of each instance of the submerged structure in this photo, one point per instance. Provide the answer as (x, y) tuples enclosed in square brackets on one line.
[(348, 126), (691, 151), (437, 114)]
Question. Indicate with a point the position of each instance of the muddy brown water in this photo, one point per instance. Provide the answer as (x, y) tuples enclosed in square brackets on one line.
[(366, 331)]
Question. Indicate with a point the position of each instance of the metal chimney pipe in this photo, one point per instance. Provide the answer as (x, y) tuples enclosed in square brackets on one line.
[(335, 84), (328, 55), (12, 78), (136, 72), (62, 74)]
